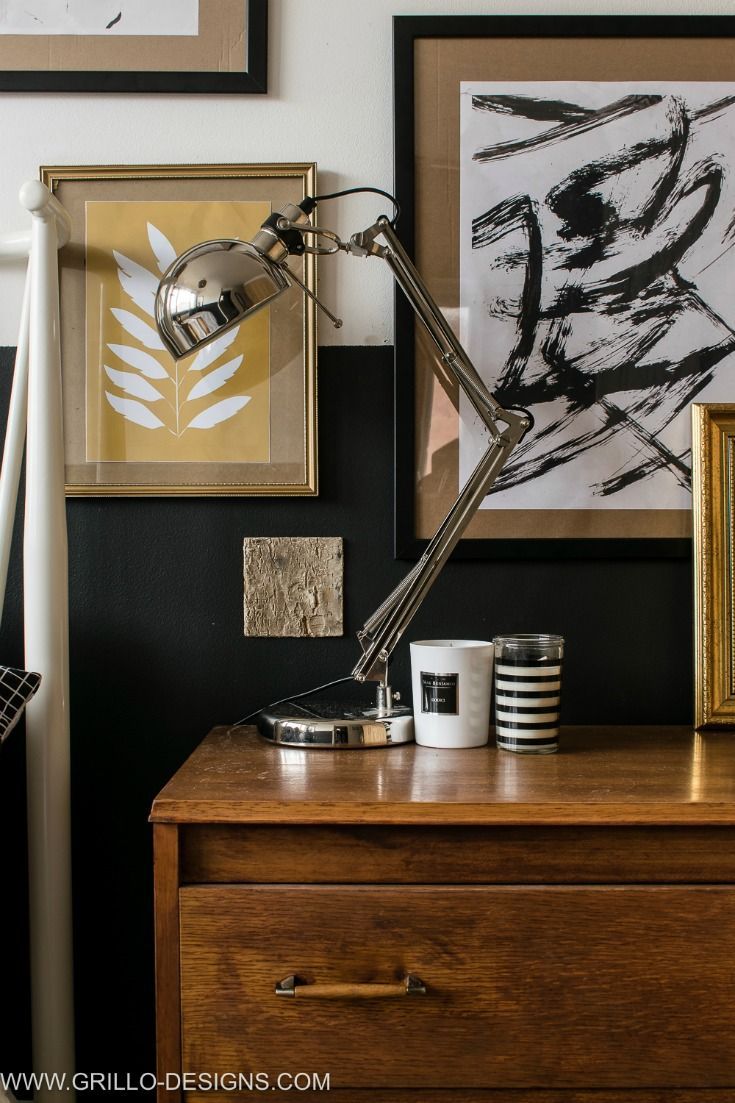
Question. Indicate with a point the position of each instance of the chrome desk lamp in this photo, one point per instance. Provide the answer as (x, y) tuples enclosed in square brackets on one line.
[(214, 286)]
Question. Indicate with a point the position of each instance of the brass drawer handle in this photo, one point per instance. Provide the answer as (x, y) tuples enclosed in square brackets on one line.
[(411, 985)]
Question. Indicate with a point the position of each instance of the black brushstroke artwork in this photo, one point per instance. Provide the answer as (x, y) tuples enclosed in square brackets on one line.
[(600, 296)]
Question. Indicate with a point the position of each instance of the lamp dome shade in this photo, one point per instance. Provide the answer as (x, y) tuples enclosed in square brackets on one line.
[(210, 288)]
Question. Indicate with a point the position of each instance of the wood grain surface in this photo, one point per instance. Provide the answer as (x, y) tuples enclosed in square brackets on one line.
[(168, 997), (588, 960), (266, 854), (352, 1095), (544, 988), (603, 775)]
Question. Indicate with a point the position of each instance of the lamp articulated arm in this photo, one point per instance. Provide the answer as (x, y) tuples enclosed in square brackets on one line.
[(216, 284), (506, 428)]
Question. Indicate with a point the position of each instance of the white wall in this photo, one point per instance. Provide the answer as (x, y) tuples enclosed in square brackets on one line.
[(329, 101)]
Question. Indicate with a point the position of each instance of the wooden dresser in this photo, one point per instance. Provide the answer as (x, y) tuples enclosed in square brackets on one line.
[(570, 919)]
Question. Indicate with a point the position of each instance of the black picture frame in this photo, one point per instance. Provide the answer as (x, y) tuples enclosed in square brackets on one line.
[(406, 31), (252, 80)]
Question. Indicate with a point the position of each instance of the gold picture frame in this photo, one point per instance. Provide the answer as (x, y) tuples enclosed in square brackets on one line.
[(237, 420), (713, 487)]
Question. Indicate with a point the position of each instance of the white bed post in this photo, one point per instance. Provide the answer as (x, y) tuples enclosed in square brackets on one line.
[(47, 651)]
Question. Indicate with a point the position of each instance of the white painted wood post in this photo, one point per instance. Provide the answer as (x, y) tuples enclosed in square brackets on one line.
[(47, 651)]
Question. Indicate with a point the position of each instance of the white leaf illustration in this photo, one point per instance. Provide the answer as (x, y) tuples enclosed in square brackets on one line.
[(132, 384), (215, 379), (213, 351), (143, 361), (213, 415), (161, 246), (134, 411), (137, 282), (138, 328)]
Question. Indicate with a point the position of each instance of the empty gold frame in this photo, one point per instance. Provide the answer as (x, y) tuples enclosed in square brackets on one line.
[(713, 485)]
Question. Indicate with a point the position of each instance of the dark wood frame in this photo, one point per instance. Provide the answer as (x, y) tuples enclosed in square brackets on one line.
[(253, 79), (406, 30)]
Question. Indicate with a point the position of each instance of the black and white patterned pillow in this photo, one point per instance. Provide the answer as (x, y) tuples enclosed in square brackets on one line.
[(16, 689)]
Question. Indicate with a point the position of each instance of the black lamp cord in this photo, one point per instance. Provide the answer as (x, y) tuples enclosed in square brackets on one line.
[(293, 697), (355, 191)]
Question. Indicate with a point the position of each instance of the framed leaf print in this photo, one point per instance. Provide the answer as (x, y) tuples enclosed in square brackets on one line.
[(238, 417)]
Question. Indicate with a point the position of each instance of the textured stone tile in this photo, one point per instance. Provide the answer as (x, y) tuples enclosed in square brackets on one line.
[(293, 585)]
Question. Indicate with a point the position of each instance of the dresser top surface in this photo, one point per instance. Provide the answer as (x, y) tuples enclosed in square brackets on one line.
[(601, 775)]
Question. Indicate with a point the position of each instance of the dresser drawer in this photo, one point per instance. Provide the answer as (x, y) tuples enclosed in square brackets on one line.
[(526, 987), (268, 854)]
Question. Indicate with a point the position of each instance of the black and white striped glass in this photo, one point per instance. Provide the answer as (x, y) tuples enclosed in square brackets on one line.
[(528, 692)]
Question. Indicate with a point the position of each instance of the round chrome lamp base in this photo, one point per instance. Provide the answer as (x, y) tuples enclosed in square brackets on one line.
[(335, 727)]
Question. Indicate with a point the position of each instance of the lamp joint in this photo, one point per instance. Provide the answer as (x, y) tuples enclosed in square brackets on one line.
[(363, 243)]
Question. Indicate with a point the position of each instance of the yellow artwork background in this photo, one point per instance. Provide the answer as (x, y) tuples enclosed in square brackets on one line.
[(110, 436)]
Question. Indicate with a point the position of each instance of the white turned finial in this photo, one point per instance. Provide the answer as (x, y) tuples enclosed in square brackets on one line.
[(37, 199), (34, 195)]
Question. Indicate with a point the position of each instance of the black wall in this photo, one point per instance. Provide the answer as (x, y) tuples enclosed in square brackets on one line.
[(158, 657)]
